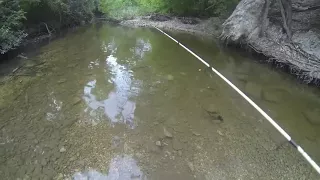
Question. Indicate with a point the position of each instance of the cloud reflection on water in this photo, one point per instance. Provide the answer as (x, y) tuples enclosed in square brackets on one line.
[(119, 105), (121, 168)]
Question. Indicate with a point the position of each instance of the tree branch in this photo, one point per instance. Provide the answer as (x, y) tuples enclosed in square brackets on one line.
[(49, 32)]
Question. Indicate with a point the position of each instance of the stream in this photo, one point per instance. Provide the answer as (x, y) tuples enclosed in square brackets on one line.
[(115, 103)]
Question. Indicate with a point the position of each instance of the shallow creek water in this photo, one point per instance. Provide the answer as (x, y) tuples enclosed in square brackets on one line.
[(114, 103)]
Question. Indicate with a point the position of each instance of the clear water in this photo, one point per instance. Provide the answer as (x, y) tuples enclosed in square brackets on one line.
[(109, 102)]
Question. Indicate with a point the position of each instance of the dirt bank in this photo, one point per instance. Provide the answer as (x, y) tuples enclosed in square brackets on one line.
[(299, 51), (208, 27)]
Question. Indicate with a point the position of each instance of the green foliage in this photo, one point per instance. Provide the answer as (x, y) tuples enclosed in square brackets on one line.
[(63, 12), (203, 8), (11, 16), (17, 15), (120, 9), (190, 7)]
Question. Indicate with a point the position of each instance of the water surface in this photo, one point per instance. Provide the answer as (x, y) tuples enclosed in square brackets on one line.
[(109, 102)]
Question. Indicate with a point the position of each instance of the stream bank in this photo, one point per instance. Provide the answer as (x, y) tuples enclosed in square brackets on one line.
[(210, 27), (263, 30), (300, 58)]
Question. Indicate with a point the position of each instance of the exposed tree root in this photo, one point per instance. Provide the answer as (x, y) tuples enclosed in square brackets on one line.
[(301, 53)]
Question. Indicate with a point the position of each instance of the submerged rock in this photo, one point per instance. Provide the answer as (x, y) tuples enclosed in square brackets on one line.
[(211, 108), (158, 143), (242, 77), (167, 133), (170, 77), (63, 149), (196, 133), (274, 95), (312, 116), (269, 96), (190, 165), (177, 145), (61, 81), (214, 115), (159, 17), (219, 132), (76, 101), (44, 162), (253, 89)]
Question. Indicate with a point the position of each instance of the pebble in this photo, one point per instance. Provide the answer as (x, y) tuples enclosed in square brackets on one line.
[(220, 133), (41, 129), (170, 77), (63, 149), (43, 162), (190, 165), (177, 145), (62, 81), (81, 163), (76, 101), (215, 117), (72, 159), (167, 133), (59, 176), (158, 143), (37, 171), (196, 133)]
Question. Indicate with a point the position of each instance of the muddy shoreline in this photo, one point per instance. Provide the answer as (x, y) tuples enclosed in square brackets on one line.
[(211, 27)]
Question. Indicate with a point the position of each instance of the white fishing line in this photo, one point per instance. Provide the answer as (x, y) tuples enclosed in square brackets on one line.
[(264, 114)]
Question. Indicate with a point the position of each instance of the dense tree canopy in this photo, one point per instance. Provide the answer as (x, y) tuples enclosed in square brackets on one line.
[(175, 7)]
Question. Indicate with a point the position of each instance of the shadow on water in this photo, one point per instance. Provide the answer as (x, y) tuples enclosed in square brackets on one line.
[(109, 102)]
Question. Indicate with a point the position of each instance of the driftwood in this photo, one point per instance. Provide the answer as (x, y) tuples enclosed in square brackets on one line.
[(282, 30), (48, 30)]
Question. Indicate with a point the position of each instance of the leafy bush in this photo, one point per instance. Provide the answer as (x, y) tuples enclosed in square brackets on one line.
[(121, 9), (11, 16), (204, 8), (17, 15), (60, 12), (190, 7)]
